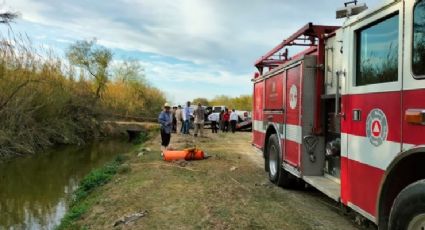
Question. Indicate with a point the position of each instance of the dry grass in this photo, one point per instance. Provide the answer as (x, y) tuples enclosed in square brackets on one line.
[(229, 190), (44, 101)]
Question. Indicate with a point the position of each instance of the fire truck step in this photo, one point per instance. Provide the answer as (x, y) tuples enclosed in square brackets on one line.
[(325, 185)]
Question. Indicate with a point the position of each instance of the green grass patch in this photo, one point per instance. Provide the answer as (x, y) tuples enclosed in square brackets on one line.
[(146, 135), (96, 178), (141, 138)]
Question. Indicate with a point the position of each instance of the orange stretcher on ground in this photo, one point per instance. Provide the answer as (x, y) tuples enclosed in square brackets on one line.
[(186, 154)]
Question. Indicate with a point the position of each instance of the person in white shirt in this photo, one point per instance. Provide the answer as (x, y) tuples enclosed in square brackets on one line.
[(214, 118), (186, 118), (179, 119), (233, 120)]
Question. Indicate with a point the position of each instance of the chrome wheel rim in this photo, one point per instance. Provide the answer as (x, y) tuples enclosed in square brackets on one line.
[(417, 223), (273, 161)]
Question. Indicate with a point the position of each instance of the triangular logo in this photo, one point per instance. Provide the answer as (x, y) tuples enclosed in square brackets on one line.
[(376, 128)]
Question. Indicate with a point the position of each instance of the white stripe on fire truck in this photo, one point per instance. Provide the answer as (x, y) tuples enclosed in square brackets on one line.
[(258, 126), (344, 137), (360, 149), (293, 132)]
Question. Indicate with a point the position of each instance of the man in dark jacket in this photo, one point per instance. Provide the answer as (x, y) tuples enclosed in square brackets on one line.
[(166, 120)]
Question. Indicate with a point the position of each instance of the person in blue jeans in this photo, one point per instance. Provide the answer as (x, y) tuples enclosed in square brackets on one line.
[(186, 118), (166, 120)]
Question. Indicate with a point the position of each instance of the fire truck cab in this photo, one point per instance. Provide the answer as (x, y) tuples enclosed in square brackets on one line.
[(347, 113)]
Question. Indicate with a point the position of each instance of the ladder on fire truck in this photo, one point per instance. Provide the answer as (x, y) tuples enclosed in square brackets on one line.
[(312, 37)]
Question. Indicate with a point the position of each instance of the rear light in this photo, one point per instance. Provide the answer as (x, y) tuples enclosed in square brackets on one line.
[(415, 116)]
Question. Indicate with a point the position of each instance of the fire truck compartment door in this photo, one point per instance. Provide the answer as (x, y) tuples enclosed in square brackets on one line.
[(293, 129)]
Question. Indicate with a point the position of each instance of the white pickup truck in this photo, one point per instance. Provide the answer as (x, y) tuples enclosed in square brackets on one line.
[(245, 121)]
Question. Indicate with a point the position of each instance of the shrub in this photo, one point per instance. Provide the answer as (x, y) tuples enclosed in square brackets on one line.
[(44, 102)]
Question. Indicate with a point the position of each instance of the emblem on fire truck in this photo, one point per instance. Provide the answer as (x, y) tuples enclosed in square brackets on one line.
[(376, 127), (293, 97)]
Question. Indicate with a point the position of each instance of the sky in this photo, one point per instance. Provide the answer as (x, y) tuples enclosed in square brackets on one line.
[(188, 48)]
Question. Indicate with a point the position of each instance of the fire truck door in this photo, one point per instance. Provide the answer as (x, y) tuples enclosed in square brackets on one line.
[(414, 75), (372, 105), (293, 116)]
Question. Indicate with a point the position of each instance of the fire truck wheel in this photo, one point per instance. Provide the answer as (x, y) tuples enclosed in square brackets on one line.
[(408, 210), (266, 163), (277, 174)]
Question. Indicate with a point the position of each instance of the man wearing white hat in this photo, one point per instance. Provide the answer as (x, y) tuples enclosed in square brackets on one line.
[(166, 120)]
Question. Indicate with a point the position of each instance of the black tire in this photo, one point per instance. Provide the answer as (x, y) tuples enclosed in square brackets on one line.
[(409, 208), (277, 174), (266, 162)]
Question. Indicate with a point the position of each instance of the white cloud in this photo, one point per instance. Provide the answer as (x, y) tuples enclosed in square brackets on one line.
[(200, 31), (184, 82), (186, 73), (223, 38)]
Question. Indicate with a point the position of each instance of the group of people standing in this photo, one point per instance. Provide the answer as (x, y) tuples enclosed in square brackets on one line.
[(224, 120), (177, 120), (181, 119)]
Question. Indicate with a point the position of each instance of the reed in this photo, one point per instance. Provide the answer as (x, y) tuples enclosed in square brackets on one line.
[(46, 101)]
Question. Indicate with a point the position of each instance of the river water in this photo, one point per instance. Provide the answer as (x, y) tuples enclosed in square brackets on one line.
[(34, 190)]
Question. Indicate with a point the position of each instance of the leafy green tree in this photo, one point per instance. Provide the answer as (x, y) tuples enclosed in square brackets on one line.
[(243, 102), (201, 100), (130, 71), (221, 100), (92, 58), (130, 94)]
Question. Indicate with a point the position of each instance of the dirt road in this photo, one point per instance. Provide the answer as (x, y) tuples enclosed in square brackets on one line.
[(230, 190)]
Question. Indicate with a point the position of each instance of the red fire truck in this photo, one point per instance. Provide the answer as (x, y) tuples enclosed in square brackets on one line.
[(347, 113)]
